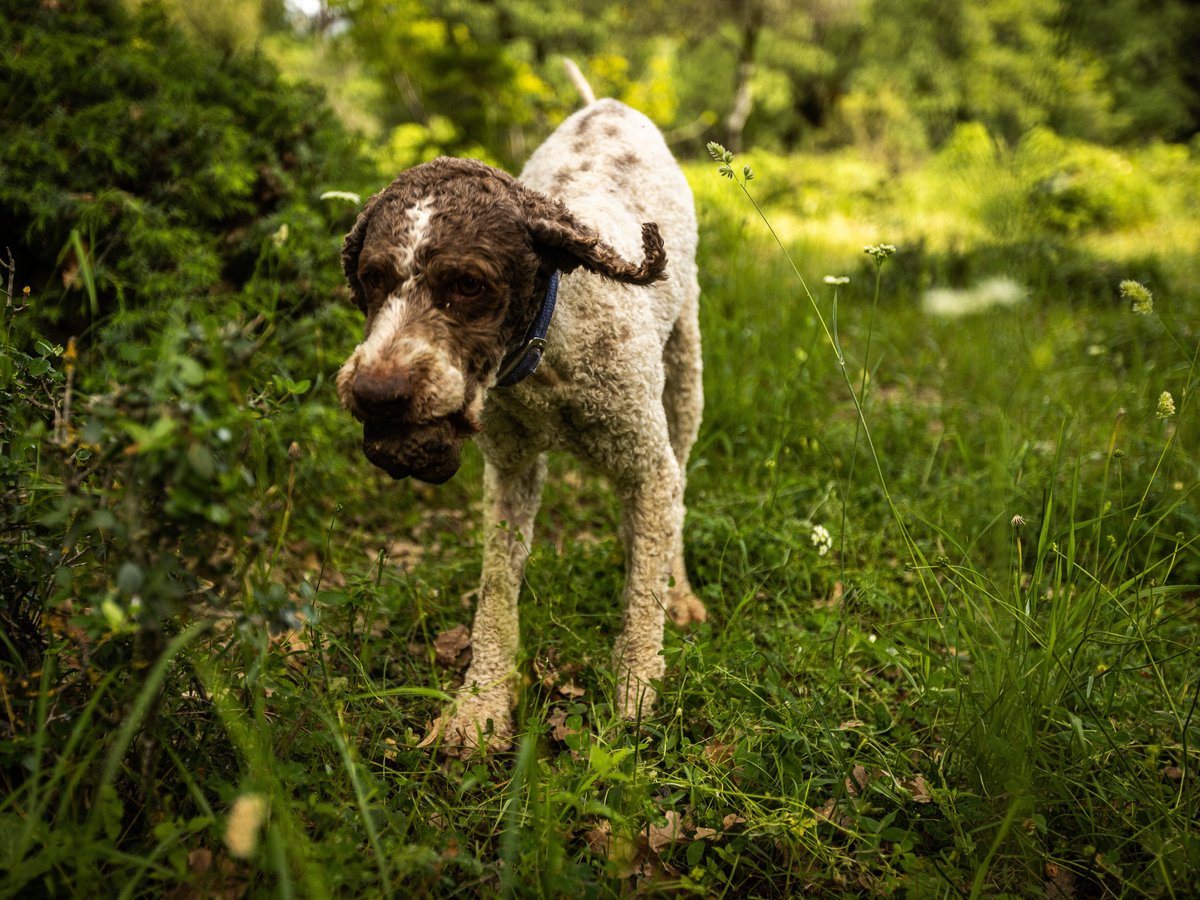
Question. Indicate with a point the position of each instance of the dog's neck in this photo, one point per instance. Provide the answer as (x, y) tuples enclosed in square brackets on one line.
[(522, 362)]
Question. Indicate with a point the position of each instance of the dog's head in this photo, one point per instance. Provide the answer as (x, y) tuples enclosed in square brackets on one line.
[(450, 264)]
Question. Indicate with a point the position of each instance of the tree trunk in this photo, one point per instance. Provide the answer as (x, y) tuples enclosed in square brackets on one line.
[(743, 95)]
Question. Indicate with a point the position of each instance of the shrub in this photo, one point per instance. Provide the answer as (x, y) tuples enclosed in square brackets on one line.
[(167, 207), (168, 161), (1072, 186)]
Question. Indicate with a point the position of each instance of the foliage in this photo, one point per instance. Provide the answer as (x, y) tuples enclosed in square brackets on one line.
[(897, 78), (950, 563), (163, 205), (172, 162)]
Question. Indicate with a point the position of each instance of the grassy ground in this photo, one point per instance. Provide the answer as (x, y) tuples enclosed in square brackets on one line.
[(984, 682)]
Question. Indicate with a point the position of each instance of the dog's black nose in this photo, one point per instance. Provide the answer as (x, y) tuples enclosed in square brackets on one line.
[(380, 392)]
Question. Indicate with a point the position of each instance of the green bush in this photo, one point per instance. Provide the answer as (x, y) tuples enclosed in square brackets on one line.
[(169, 160), (171, 309), (168, 200), (1072, 186)]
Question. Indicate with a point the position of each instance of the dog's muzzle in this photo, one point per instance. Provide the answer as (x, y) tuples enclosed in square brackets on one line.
[(399, 435), (430, 452)]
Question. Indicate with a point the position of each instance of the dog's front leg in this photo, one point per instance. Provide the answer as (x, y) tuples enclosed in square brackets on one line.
[(648, 523), (483, 714)]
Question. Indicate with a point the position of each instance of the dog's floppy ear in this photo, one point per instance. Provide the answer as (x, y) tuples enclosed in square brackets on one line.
[(568, 244), (352, 248)]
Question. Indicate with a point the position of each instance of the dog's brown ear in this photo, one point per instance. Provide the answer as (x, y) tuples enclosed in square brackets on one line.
[(352, 249), (567, 244)]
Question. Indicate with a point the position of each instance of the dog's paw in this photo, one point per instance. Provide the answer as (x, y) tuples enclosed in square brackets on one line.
[(685, 608), (471, 725)]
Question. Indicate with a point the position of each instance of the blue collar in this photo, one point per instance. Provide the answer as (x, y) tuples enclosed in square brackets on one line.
[(523, 361)]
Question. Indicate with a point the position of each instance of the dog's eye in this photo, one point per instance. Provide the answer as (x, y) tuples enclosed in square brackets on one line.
[(373, 280), (468, 286)]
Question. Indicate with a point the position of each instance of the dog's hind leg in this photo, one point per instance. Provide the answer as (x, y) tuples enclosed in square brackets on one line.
[(683, 401), (649, 511)]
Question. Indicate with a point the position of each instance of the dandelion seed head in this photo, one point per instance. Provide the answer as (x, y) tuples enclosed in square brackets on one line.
[(1017, 521)]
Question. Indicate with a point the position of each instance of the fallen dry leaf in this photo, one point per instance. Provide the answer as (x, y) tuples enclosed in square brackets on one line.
[(557, 720), (330, 576), (199, 860), (432, 733), (850, 723), (571, 691), (834, 599), (1060, 882), (546, 668), (919, 789), (730, 820), (599, 839), (858, 781), (829, 813), (640, 855), (719, 753), (662, 836), (403, 554)]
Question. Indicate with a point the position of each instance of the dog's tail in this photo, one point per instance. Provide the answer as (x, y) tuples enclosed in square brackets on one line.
[(581, 83)]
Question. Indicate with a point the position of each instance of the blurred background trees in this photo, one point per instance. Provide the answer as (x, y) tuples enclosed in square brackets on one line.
[(186, 132), (894, 77)]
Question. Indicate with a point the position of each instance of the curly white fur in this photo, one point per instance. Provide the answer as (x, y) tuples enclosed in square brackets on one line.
[(620, 387)]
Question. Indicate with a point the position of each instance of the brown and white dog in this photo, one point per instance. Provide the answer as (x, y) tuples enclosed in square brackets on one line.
[(455, 265)]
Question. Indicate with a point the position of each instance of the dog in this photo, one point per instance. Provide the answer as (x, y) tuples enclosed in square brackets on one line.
[(554, 311)]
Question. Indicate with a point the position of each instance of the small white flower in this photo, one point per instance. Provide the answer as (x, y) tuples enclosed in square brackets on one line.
[(836, 279), (821, 539)]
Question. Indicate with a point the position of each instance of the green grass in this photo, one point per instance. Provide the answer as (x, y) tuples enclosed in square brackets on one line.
[(950, 702)]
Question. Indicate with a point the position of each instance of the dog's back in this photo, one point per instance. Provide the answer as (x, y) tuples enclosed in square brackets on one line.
[(610, 165)]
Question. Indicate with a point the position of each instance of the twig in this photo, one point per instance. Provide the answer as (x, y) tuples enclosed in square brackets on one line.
[(11, 266), (62, 418)]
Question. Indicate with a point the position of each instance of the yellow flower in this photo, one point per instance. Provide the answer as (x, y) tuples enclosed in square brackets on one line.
[(1166, 405)]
